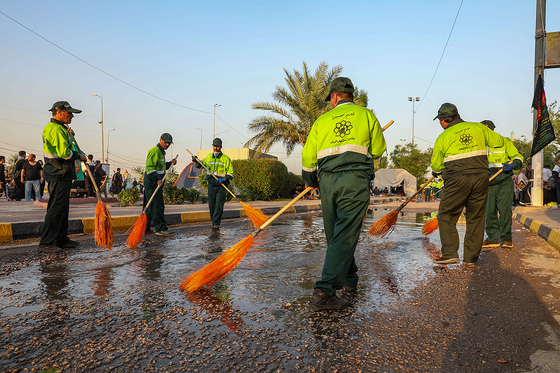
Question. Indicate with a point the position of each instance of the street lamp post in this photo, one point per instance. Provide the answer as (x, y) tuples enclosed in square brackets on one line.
[(413, 99), (214, 130), (101, 122), (200, 137), (402, 143), (107, 158)]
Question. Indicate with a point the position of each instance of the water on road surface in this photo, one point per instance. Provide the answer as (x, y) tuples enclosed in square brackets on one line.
[(95, 310)]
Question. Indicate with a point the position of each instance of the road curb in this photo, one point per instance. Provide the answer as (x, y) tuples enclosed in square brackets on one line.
[(24, 230), (549, 234)]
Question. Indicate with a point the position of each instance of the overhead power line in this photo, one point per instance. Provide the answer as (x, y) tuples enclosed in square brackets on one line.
[(442, 53), (100, 70)]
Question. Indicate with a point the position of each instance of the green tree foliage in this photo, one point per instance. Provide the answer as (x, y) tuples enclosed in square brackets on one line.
[(523, 146), (295, 109), (554, 113), (128, 197), (412, 159), (140, 171), (382, 162), (264, 179)]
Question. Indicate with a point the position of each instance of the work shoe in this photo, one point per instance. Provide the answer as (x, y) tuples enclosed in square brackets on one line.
[(323, 301), (507, 244), (165, 233), (48, 248), (487, 244), (349, 291), (446, 261), (68, 244), (469, 265), (215, 228)]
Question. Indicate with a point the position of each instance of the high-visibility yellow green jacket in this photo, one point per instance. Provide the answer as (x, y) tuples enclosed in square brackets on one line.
[(347, 138), (57, 151), (498, 156), (155, 166), (462, 147), (219, 166)]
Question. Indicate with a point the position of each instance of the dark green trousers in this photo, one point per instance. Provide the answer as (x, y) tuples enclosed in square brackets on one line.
[(464, 191), (156, 211), (344, 202), (216, 200), (498, 210), (55, 227)]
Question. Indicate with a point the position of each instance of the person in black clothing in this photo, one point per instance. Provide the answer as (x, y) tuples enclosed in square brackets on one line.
[(89, 184), (99, 174), (3, 184), (117, 182), (19, 187), (42, 183), (31, 176)]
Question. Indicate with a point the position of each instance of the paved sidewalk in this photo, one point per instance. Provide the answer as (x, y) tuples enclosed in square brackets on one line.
[(23, 220)]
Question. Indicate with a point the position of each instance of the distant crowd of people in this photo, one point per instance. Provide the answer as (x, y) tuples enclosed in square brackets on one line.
[(23, 179)]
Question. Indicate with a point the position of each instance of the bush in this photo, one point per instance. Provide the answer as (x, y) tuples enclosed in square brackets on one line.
[(192, 195), (128, 197), (264, 179), (204, 183)]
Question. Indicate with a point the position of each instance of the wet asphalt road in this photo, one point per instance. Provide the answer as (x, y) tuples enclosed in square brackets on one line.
[(90, 310)]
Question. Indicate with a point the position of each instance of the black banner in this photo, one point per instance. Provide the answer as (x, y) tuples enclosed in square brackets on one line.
[(544, 133)]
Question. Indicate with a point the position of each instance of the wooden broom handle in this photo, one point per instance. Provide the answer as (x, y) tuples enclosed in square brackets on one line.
[(415, 194), (157, 188)]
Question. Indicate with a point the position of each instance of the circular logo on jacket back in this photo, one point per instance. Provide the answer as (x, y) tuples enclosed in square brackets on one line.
[(343, 128), (466, 139)]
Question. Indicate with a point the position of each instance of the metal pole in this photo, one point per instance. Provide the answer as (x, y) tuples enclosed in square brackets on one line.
[(102, 132), (413, 99), (540, 47), (214, 129), (200, 137)]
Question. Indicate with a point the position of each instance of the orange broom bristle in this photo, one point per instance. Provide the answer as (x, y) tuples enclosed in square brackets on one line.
[(257, 217), (430, 226), (103, 226), (137, 231), (385, 225), (219, 267)]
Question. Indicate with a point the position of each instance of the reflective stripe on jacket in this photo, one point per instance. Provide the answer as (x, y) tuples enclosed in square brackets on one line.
[(461, 148), (220, 167), (346, 138), (500, 155)]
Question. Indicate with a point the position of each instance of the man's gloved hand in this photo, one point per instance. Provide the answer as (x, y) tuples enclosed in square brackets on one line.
[(194, 158), (221, 180), (436, 174), (508, 166)]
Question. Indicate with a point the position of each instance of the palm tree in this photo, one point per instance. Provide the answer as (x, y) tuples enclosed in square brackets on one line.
[(291, 119)]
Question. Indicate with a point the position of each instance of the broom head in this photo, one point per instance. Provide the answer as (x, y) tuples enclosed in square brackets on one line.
[(137, 231), (430, 226), (219, 267), (385, 225), (103, 226), (257, 217)]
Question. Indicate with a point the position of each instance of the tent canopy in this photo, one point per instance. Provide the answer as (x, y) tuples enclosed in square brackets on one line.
[(189, 177), (393, 177)]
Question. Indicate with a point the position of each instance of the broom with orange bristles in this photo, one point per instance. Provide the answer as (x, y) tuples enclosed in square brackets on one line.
[(227, 261), (103, 221), (386, 224), (138, 229), (431, 225), (256, 216)]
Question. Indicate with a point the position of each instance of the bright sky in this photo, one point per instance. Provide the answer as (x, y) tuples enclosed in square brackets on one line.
[(161, 66)]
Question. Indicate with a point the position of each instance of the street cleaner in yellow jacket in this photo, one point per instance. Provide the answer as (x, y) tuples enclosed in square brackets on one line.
[(338, 155), (59, 171), (153, 176), (219, 165), (460, 154), (500, 192)]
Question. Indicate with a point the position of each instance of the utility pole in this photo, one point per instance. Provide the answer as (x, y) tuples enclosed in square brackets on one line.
[(413, 99), (540, 48)]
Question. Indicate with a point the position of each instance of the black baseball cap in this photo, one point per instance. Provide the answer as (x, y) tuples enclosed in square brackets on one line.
[(64, 105)]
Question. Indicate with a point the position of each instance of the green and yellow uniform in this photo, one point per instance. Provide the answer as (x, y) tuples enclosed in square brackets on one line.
[(155, 170), (500, 191), (338, 155), (58, 172), (220, 166), (460, 152)]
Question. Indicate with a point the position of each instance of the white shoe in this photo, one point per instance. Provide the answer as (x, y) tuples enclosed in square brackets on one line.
[(165, 233)]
